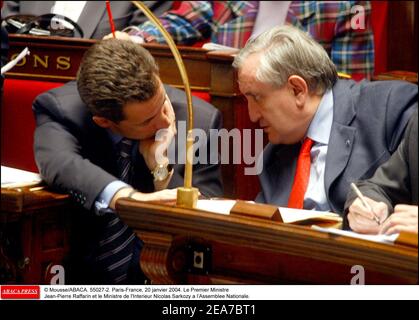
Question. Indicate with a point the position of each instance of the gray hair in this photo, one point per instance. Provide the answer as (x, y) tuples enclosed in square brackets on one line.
[(288, 51)]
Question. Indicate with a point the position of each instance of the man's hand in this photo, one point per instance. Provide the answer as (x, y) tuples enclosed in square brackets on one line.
[(404, 218), (362, 221), (125, 36), (163, 195), (154, 150), (118, 35)]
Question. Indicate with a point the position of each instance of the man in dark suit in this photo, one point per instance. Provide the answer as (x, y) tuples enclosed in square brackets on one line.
[(324, 133), (93, 18), (392, 192), (107, 137)]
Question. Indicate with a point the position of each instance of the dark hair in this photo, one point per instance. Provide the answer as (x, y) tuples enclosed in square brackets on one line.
[(113, 73)]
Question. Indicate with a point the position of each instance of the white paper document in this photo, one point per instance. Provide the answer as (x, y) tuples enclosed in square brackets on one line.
[(216, 206), (382, 238), (290, 215), (15, 178), (217, 47)]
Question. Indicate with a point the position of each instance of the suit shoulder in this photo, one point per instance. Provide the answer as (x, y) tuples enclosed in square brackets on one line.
[(205, 114), (398, 86), (67, 91), (62, 104), (372, 94)]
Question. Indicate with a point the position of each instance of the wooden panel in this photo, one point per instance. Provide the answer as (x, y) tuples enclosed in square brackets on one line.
[(402, 35), (34, 235), (245, 250), (22, 200), (51, 59)]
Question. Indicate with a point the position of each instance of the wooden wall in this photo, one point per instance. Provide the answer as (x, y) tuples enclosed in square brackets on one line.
[(402, 32)]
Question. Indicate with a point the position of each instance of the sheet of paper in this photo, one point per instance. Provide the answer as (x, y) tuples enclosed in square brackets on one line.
[(216, 206), (14, 178), (218, 47), (382, 238), (290, 215)]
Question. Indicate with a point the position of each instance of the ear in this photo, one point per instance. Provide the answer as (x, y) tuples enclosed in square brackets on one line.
[(300, 89), (102, 122)]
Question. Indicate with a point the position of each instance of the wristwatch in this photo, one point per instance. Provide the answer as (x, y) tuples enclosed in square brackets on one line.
[(161, 172)]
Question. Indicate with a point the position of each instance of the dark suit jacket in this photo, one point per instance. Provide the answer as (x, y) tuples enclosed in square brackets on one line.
[(76, 156), (369, 119), (94, 19), (396, 181)]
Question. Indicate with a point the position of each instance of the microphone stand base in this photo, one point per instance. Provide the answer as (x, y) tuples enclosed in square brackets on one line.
[(187, 197)]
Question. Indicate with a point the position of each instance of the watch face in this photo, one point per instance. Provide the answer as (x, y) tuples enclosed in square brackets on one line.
[(160, 173)]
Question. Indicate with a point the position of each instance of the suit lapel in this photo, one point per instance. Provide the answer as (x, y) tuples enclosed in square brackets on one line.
[(90, 17), (342, 135), (340, 148)]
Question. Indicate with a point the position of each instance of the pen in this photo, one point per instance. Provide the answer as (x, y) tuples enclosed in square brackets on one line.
[(364, 202), (108, 8)]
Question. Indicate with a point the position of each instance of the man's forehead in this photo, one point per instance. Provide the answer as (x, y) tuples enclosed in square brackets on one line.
[(148, 107), (158, 97), (247, 75), (251, 62), (248, 82)]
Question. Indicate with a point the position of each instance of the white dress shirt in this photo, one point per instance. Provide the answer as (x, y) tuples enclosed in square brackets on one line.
[(319, 131)]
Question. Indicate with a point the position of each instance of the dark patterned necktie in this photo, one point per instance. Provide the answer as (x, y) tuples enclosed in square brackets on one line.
[(124, 160), (119, 248)]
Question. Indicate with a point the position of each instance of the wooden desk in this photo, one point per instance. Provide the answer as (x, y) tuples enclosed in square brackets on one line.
[(197, 247), (398, 75), (58, 59), (33, 234)]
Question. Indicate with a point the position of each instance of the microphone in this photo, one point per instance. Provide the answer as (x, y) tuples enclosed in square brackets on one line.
[(187, 196)]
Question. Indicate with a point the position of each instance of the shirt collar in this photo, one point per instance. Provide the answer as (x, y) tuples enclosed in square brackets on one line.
[(321, 125), (115, 138)]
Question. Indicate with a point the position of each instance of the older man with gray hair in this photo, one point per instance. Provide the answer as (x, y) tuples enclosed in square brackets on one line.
[(324, 132)]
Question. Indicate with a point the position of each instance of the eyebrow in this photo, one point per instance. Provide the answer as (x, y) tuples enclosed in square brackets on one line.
[(161, 106), (254, 95), (248, 93)]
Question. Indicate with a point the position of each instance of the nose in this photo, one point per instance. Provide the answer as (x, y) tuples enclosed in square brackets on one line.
[(162, 121), (254, 114)]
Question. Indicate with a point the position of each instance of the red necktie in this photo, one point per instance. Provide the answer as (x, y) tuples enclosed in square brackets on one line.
[(302, 175)]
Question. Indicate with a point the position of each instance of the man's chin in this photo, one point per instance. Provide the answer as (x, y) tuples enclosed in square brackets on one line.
[(142, 137), (274, 139)]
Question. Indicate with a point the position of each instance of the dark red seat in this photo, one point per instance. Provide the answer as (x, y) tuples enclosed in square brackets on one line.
[(18, 123)]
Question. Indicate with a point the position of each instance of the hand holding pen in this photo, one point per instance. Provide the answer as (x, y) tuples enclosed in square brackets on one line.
[(365, 204)]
